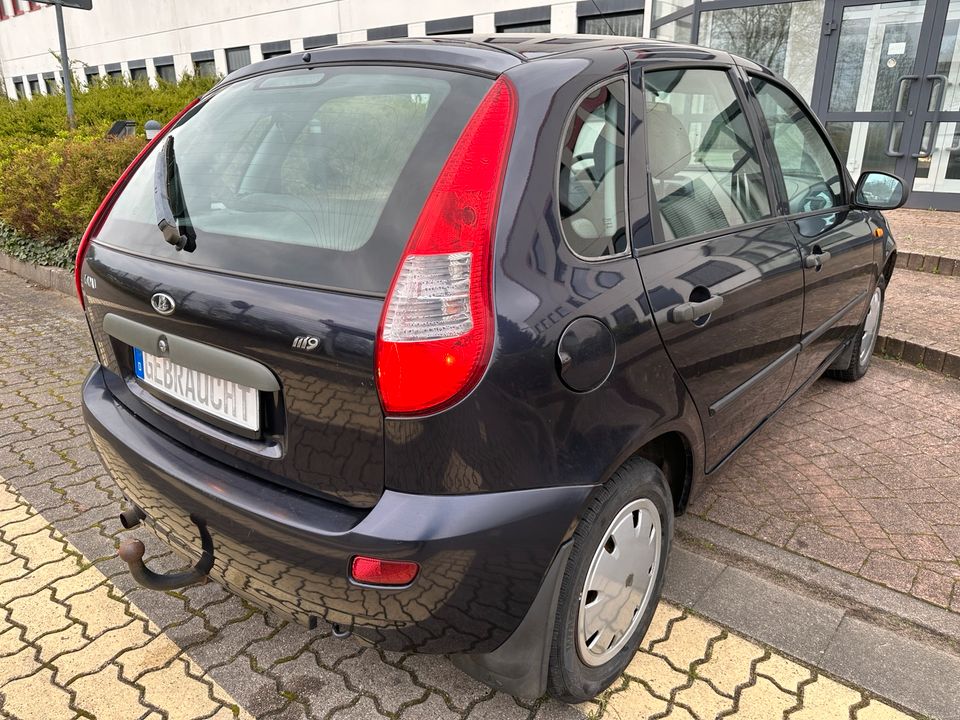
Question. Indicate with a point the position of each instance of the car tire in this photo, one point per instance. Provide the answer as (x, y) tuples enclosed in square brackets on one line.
[(636, 507), (865, 340)]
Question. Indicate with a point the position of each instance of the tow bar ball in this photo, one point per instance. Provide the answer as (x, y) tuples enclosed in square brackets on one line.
[(132, 552)]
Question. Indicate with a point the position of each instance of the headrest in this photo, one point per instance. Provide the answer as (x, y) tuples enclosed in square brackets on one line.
[(668, 144)]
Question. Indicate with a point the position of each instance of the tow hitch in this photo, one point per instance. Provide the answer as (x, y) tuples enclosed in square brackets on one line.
[(132, 551)]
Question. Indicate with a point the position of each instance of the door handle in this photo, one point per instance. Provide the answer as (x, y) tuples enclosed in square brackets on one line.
[(941, 82), (690, 311), (904, 81), (816, 259)]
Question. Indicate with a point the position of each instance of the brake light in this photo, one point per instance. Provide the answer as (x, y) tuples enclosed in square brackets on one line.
[(436, 331), (371, 571), (101, 213)]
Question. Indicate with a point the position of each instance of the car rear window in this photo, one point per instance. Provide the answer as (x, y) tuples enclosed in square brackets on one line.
[(310, 176)]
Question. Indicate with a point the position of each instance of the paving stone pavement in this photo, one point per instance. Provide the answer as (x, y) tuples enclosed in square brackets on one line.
[(923, 309), (926, 232), (861, 476), (78, 639)]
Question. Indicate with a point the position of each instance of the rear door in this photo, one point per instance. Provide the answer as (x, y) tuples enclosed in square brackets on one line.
[(254, 345), (836, 240), (723, 274)]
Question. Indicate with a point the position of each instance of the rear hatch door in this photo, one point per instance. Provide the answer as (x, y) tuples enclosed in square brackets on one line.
[(298, 190)]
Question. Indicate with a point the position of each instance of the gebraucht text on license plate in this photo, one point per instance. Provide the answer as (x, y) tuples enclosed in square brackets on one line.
[(223, 399)]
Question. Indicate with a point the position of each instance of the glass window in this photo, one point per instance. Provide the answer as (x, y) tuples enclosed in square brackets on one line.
[(592, 174), (237, 58), (115, 74), (878, 44), (532, 27), (167, 73), (312, 176), (702, 159), (778, 36), (680, 31), (812, 177), (205, 68), (662, 8), (862, 145), (18, 86), (34, 88), (626, 24), (138, 74), (51, 85)]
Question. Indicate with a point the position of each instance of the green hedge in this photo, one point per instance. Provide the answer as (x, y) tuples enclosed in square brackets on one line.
[(98, 107), (52, 180)]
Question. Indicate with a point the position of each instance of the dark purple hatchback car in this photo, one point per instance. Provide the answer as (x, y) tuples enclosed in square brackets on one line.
[(430, 339)]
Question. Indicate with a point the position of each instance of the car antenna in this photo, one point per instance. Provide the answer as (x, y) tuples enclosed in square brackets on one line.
[(603, 17)]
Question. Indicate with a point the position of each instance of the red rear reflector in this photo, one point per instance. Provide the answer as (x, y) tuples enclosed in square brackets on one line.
[(436, 330), (371, 571), (101, 213)]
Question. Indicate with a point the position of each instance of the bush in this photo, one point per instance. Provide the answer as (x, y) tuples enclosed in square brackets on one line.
[(52, 180), (50, 189), (98, 107)]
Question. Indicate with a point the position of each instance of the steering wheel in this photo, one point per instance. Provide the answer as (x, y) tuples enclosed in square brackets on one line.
[(817, 197)]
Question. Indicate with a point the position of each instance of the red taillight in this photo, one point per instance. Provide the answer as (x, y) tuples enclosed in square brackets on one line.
[(371, 571), (107, 202), (436, 330)]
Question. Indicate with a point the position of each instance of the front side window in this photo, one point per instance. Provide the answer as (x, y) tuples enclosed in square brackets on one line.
[(703, 162), (812, 177), (591, 186)]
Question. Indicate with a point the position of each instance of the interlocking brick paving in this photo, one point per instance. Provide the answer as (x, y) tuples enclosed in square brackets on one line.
[(926, 232), (78, 639), (862, 476), (924, 309)]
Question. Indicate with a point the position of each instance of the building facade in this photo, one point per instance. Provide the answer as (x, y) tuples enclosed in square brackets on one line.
[(883, 76)]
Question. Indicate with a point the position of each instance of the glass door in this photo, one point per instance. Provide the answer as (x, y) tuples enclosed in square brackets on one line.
[(937, 134), (888, 92)]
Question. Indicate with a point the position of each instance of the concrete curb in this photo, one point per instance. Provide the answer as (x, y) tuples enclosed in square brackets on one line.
[(819, 616), (866, 599), (49, 277), (928, 263), (939, 361)]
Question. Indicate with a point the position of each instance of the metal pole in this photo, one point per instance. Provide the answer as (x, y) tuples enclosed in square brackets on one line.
[(65, 65)]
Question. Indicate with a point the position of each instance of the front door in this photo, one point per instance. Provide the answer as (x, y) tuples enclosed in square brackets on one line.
[(888, 92)]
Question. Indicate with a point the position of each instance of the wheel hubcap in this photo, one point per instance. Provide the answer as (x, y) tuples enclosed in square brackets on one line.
[(871, 327), (619, 583)]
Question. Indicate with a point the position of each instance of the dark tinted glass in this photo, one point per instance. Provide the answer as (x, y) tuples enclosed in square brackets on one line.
[(167, 73), (307, 176), (591, 174)]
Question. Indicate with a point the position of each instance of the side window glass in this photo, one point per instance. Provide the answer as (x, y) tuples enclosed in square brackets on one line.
[(591, 187), (703, 161), (811, 175)]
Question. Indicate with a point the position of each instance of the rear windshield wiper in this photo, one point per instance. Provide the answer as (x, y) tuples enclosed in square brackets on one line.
[(172, 216)]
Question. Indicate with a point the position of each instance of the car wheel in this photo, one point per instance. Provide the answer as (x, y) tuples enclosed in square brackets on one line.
[(612, 582), (865, 341)]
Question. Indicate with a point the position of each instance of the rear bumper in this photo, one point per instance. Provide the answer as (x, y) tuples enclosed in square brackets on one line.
[(483, 557)]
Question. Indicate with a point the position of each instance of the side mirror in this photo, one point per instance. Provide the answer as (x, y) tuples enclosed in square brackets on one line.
[(879, 191)]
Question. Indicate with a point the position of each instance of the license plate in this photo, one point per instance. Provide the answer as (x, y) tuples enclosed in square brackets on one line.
[(223, 399)]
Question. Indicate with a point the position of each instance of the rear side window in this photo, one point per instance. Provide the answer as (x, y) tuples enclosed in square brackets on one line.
[(313, 176), (703, 162), (810, 172), (591, 186)]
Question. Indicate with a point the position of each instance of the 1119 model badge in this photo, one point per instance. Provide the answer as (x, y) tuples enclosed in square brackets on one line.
[(163, 303)]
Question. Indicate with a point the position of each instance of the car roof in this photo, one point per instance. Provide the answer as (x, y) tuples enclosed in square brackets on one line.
[(489, 53)]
